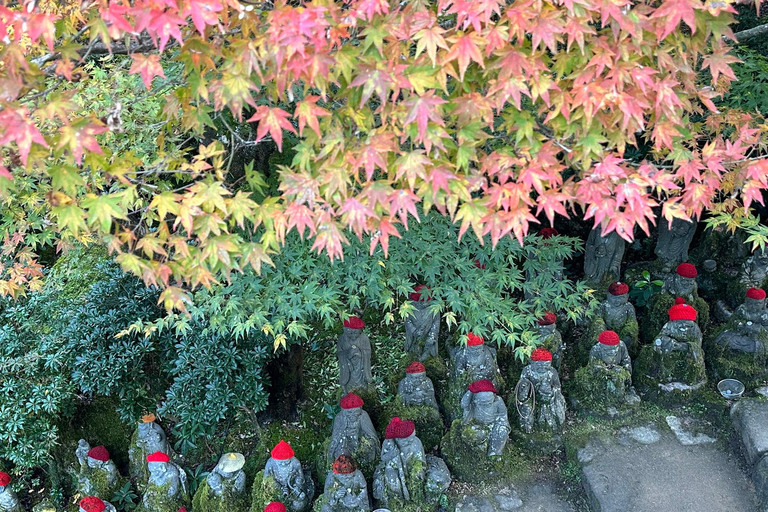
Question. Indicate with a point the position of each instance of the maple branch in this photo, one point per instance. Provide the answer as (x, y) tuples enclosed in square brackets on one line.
[(749, 34)]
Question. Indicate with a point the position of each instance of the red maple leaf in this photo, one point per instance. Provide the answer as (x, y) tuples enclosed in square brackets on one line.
[(42, 25), (404, 202), (719, 63), (148, 66), (203, 12), (16, 126), (381, 231), (465, 49), (307, 113), (671, 12), (355, 215), (273, 120), (422, 109)]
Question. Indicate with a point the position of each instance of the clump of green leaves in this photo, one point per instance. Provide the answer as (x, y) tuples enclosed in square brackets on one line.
[(645, 288)]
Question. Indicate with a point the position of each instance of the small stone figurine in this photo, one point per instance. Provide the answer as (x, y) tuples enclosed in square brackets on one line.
[(748, 327), (223, 490), (8, 500), (606, 381), (477, 360), (95, 504), (550, 338), (353, 433), (540, 380), (345, 488), (354, 352), (683, 282), (603, 255), (618, 314), (416, 388), (485, 418), (283, 479), (98, 475), (610, 352), (167, 485), (755, 270), (422, 327), (673, 242), (147, 439)]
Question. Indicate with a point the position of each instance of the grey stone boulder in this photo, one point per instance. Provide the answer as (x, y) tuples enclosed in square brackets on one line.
[(750, 419), (760, 479)]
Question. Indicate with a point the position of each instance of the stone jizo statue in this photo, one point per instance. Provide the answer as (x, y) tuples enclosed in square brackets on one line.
[(422, 327), (149, 438), (755, 269), (477, 360), (673, 242), (95, 504), (749, 326), (610, 352), (353, 433), (616, 310), (550, 338), (8, 500), (228, 475), (394, 476), (683, 282), (416, 388), (539, 388), (485, 413), (296, 485), (603, 255), (98, 474), (681, 333), (167, 485), (345, 488), (354, 352)]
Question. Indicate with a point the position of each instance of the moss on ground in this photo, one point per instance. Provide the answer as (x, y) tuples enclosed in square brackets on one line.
[(206, 501)]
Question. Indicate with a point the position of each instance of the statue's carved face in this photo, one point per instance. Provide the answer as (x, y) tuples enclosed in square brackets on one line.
[(610, 349), (541, 366), (352, 415), (682, 326), (483, 399), (158, 468), (547, 329), (95, 464), (416, 379), (754, 305), (406, 444), (617, 300), (760, 258), (680, 228)]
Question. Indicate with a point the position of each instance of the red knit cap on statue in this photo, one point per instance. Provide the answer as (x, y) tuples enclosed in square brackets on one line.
[(351, 401), (541, 354), (687, 270), (99, 453), (548, 319), (282, 451), (415, 367), (421, 293), (681, 311), (354, 323), (5, 478), (756, 293), (548, 233), (344, 465), (481, 386), (399, 429), (618, 288), (474, 340), (608, 338), (92, 504), (275, 507), (158, 457)]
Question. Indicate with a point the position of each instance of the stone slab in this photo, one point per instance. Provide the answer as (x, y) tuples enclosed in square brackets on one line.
[(665, 476), (750, 419), (535, 497)]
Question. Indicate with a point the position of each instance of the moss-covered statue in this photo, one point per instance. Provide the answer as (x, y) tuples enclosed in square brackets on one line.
[(618, 314), (354, 351), (166, 489), (673, 242), (416, 389), (98, 475), (147, 439), (539, 388), (754, 274), (740, 348), (400, 480), (674, 362), (416, 401), (95, 504), (550, 338), (345, 488), (681, 283), (473, 362), (223, 490), (422, 327), (603, 255), (606, 381), (9, 502), (353, 434), (283, 480)]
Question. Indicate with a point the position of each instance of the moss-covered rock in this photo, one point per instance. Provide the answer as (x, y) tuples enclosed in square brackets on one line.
[(724, 363), (469, 464), (429, 423), (670, 379), (266, 490), (594, 389), (95, 482), (230, 500), (156, 499)]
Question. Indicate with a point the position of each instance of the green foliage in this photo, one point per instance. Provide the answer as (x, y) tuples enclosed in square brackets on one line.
[(645, 288), (124, 498), (750, 92)]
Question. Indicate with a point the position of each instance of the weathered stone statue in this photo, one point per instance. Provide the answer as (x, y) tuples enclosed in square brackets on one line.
[(610, 352), (353, 433), (606, 381), (166, 489), (223, 490), (682, 283), (755, 270), (8, 500), (345, 488), (603, 255), (477, 361), (673, 242), (416, 388), (98, 475), (95, 504), (402, 474), (550, 338), (485, 419), (539, 386), (147, 439), (674, 361), (422, 327), (747, 327), (618, 313), (354, 351), (284, 480)]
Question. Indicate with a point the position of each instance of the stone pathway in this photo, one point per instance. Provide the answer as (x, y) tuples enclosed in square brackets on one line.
[(650, 469), (537, 497)]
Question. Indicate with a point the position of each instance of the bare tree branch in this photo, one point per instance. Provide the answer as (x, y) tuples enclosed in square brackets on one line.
[(752, 33)]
